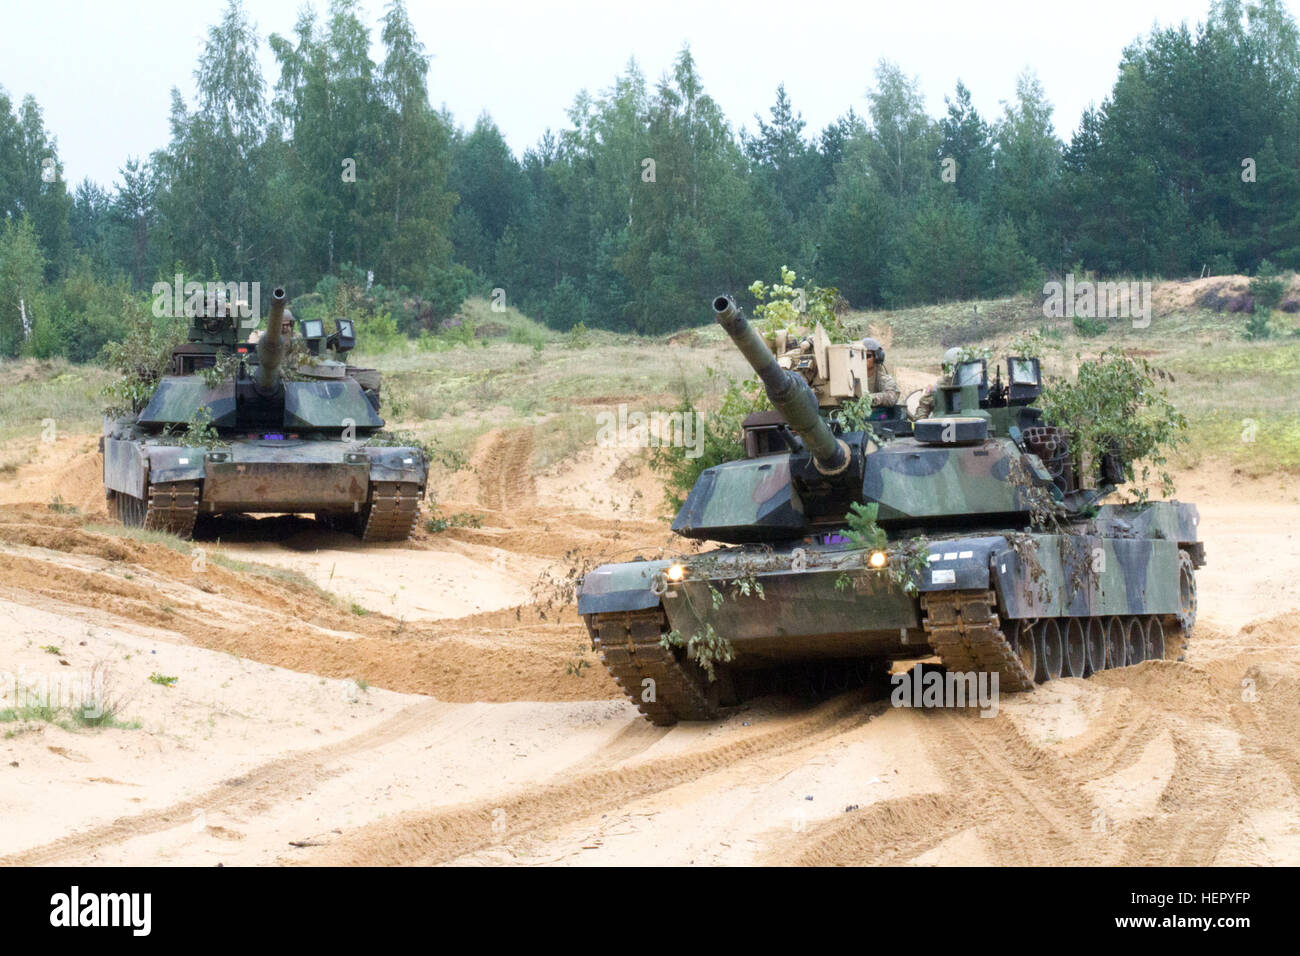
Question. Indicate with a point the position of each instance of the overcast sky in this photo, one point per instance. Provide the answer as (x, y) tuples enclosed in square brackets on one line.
[(102, 71)]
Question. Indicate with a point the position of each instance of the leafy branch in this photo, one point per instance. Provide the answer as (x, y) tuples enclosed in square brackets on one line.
[(1116, 406)]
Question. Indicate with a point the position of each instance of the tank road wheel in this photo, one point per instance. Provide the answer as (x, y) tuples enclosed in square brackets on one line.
[(1154, 633), (1076, 649), (1135, 641), (1025, 645), (1095, 637), (1116, 649), (1051, 653), (1186, 593)]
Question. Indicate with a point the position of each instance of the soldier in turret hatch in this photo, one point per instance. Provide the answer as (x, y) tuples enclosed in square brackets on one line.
[(286, 330), (880, 384), (925, 408)]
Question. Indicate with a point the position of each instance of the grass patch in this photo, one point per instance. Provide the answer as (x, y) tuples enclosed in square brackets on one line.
[(283, 575), (1243, 403), (143, 535), (562, 436), (34, 391), (68, 718), (183, 546)]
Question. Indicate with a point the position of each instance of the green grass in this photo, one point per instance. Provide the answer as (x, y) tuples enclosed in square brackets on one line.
[(1243, 403), (143, 535), (69, 718), (34, 391), (211, 553)]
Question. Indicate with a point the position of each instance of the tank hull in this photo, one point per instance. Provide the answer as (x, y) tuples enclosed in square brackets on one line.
[(972, 600), (343, 480)]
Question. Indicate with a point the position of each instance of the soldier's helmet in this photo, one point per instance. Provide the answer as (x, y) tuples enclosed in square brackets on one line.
[(876, 349), (951, 358), (286, 324)]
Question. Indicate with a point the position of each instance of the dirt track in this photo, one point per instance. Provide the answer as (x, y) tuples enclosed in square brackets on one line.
[(443, 726)]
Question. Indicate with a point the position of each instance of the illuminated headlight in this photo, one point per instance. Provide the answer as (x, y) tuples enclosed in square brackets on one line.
[(675, 572), (877, 559)]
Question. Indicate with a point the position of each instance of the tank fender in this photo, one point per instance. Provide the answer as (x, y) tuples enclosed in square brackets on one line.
[(126, 469), (396, 464), (176, 463), (960, 564), (635, 586)]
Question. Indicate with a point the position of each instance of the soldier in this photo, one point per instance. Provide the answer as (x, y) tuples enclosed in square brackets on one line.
[(880, 384), (286, 330), (925, 408)]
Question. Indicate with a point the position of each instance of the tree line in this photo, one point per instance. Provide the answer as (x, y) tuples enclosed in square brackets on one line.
[(340, 170)]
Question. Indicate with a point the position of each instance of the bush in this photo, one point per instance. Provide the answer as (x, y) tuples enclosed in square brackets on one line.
[(1267, 287), (566, 305), (1115, 406), (447, 288), (1257, 326), (579, 337), (1090, 328)]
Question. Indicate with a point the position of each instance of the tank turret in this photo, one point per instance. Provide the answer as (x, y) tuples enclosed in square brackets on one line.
[(788, 392)]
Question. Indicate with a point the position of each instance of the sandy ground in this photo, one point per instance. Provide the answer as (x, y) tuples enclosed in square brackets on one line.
[(418, 704)]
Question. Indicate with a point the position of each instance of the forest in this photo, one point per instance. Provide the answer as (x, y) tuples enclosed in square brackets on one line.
[(340, 175)]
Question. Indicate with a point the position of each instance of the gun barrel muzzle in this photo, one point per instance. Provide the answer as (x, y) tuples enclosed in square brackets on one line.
[(271, 346)]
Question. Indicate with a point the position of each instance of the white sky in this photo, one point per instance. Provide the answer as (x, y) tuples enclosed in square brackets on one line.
[(102, 72)]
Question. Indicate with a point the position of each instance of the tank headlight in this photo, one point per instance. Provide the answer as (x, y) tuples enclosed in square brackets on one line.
[(877, 559), (676, 572)]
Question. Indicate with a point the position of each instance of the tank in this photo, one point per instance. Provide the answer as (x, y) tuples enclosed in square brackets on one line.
[(961, 562), (295, 430)]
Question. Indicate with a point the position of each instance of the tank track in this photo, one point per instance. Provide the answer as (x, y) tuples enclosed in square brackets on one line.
[(965, 633), (172, 506), (393, 510), (629, 646), (964, 630)]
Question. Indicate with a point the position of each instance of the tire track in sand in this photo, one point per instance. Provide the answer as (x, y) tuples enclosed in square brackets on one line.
[(504, 479), (437, 836), (1027, 809)]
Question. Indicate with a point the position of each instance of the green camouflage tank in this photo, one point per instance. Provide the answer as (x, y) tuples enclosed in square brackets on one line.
[(306, 442), (968, 573)]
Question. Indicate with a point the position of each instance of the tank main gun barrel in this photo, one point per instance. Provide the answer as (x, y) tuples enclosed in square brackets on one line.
[(271, 346), (788, 392)]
